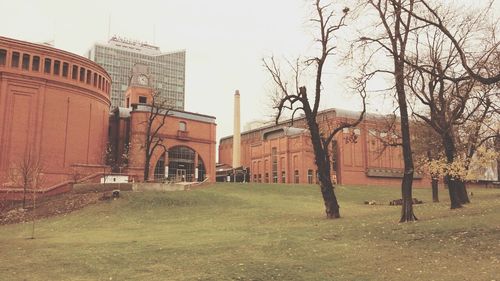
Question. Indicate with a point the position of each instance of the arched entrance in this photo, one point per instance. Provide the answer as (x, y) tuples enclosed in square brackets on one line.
[(184, 164)]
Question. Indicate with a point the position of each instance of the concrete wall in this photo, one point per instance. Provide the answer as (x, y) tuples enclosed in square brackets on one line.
[(157, 187)]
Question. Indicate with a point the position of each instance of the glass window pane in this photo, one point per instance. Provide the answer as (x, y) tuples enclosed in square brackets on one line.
[(35, 65), (57, 66), (3, 56), (65, 69), (47, 65), (26, 62), (15, 59), (74, 72)]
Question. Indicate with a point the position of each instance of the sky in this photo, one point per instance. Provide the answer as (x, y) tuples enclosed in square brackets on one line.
[(225, 42)]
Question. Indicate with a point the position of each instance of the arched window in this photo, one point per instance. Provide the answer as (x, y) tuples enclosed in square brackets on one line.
[(182, 126)]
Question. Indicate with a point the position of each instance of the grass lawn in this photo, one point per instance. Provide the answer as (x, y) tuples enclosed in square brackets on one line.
[(259, 232)]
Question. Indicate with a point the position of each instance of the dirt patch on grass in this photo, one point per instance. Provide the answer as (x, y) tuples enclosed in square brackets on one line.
[(48, 207)]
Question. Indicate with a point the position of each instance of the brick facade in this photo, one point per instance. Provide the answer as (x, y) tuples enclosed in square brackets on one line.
[(54, 105), (194, 131), (358, 154)]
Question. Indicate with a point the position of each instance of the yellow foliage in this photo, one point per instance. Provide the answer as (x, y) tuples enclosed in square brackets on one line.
[(460, 168)]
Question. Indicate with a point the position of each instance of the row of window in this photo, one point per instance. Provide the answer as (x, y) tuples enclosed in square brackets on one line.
[(296, 177), (56, 67)]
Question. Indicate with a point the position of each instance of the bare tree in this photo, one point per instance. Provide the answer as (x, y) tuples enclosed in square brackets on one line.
[(27, 174), (435, 78), (296, 99), (396, 26), (483, 68), (156, 118)]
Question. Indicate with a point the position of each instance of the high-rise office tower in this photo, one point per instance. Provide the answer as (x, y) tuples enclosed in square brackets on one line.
[(167, 70)]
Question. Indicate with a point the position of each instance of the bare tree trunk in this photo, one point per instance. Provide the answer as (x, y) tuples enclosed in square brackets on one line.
[(321, 156), (449, 149), (462, 192), (146, 168), (24, 197), (332, 208), (33, 215), (452, 190), (435, 189), (406, 185)]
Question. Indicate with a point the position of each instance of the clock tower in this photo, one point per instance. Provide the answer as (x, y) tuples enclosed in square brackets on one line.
[(140, 90)]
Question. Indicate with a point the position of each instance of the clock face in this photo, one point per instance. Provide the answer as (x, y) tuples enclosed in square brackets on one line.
[(142, 79)]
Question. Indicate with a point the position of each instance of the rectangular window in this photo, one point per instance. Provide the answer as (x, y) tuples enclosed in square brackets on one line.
[(267, 178), (82, 74), (65, 69), (3, 57), (100, 81), (283, 177), (46, 66), (260, 178), (15, 59), (95, 79), (74, 72), (145, 100), (35, 64), (57, 67), (296, 176), (309, 176), (274, 167), (89, 76), (26, 62), (182, 125), (254, 178)]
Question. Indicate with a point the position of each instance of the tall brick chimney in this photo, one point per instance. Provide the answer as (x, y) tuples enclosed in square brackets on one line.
[(236, 131)]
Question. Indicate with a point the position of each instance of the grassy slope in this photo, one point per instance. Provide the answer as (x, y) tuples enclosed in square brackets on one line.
[(259, 232)]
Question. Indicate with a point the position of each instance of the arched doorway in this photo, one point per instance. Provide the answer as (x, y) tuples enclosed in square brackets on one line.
[(184, 164)]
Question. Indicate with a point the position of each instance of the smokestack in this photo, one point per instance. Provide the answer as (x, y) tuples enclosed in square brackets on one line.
[(236, 131)]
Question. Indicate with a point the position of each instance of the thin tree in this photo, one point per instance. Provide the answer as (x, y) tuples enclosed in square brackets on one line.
[(396, 26), (37, 182), (26, 174), (156, 119), (298, 100)]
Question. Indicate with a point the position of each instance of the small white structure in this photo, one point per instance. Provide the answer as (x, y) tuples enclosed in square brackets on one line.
[(114, 179)]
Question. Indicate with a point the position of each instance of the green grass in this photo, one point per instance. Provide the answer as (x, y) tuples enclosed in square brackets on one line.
[(259, 232)]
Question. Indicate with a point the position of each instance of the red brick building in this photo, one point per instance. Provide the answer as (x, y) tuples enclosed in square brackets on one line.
[(188, 138), (284, 154), (54, 105)]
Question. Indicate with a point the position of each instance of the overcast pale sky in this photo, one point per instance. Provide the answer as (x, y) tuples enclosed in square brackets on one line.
[(225, 41)]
